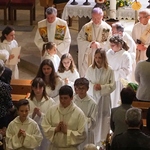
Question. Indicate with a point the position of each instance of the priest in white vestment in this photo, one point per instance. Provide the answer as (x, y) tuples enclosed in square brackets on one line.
[(141, 34), (93, 35), (64, 124), (53, 29)]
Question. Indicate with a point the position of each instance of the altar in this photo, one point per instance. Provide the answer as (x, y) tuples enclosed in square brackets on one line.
[(83, 12)]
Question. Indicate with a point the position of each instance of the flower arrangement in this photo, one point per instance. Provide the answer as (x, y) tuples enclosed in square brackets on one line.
[(119, 3)]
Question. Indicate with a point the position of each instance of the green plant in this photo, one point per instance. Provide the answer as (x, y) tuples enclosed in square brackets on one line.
[(119, 3)]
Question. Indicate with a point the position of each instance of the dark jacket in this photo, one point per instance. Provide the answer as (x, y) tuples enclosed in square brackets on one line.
[(6, 76)]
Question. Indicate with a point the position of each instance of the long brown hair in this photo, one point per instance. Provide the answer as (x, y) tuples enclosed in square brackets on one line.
[(52, 76), (117, 40), (34, 84), (102, 52), (61, 67)]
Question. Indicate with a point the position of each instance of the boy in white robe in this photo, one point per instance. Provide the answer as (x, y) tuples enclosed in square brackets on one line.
[(53, 29), (23, 133), (87, 105), (64, 124)]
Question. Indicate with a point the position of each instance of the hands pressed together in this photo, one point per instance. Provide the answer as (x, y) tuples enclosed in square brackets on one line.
[(61, 127)]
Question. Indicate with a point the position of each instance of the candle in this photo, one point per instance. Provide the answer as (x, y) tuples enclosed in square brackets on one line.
[(113, 9)]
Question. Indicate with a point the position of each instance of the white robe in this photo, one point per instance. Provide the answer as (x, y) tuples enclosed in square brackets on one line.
[(104, 77), (136, 34), (62, 45), (8, 46), (75, 120), (84, 50), (71, 76), (44, 105), (33, 135), (120, 62), (89, 107), (132, 51), (55, 59), (54, 94)]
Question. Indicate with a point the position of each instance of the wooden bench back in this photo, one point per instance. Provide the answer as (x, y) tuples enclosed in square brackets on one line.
[(20, 86)]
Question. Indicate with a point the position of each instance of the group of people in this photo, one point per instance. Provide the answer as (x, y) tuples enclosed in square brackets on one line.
[(67, 109)]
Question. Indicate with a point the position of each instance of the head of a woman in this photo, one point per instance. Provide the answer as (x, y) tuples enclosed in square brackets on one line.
[(38, 88), (47, 71), (8, 34), (50, 47), (66, 63), (117, 43), (100, 59)]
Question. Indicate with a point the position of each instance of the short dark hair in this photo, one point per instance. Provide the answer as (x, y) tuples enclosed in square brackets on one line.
[(66, 90), (22, 102), (127, 95), (119, 27), (81, 81)]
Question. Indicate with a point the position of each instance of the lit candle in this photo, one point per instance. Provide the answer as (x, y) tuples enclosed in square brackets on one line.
[(113, 9)]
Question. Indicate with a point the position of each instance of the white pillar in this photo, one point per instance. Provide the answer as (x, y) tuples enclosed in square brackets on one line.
[(112, 11)]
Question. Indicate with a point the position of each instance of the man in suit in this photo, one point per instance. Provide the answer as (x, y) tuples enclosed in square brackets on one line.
[(117, 121), (133, 138)]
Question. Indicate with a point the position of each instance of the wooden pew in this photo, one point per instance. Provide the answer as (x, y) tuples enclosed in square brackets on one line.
[(144, 106), (20, 86)]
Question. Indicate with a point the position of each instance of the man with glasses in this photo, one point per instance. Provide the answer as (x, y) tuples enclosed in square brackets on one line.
[(141, 34)]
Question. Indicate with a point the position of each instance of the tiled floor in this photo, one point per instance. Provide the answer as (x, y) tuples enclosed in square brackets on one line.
[(26, 39)]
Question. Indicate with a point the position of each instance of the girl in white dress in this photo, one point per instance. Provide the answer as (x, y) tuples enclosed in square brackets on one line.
[(67, 70), (52, 80), (39, 103), (50, 52), (102, 83), (121, 62), (8, 42)]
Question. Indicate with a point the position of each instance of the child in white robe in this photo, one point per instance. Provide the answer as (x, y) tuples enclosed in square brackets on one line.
[(23, 133), (67, 70), (52, 80), (87, 105), (64, 124), (50, 52), (8, 42), (102, 83), (39, 103)]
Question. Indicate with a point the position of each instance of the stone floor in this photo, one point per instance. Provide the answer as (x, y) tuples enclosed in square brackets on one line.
[(30, 55)]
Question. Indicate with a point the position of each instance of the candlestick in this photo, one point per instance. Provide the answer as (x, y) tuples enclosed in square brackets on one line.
[(86, 3), (74, 3), (112, 9)]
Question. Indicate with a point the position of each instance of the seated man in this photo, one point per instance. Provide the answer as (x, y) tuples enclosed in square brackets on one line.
[(133, 138), (64, 124), (117, 120)]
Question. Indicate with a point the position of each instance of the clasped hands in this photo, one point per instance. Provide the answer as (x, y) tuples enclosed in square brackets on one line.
[(36, 111), (61, 127), (21, 133), (141, 47), (97, 87), (94, 45)]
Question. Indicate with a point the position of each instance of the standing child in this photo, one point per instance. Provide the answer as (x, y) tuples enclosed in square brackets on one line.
[(23, 133), (67, 70), (87, 105), (50, 52), (39, 103), (8, 42)]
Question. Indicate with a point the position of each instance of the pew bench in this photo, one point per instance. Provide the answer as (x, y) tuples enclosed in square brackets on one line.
[(20, 86), (144, 106)]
